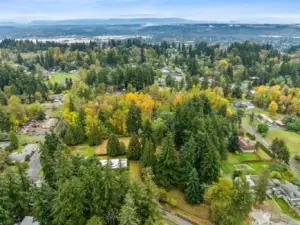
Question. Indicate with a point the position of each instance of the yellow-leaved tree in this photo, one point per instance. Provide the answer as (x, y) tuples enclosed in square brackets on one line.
[(273, 107)]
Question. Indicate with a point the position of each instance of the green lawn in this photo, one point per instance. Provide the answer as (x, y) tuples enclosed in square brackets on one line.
[(286, 209), (291, 139), (134, 170), (234, 159), (61, 77), (83, 149), (24, 139)]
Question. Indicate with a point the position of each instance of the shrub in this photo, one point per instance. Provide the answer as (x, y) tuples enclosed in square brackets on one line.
[(262, 128), (172, 202), (297, 157), (275, 175), (162, 195), (278, 168), (251, 136)]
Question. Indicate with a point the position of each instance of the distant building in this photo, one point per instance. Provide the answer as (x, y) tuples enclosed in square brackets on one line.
[(265, 119), (289, 192), (247, 146)]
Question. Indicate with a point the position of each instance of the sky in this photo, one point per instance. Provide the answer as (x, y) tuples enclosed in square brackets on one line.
[(258, 11)]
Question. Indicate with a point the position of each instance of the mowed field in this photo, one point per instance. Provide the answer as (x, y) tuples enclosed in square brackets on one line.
[(61, 77), (291, 139)]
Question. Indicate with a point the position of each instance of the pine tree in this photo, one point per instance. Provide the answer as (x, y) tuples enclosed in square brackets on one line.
[(261, 187), (193, 191), (148, 158), (187, 159), (14, 143), (113, 146), (134, 148), (147, 133), (128, 214), (134, 119), (210, 167), (69, 136), (233, 143), (167, 165)]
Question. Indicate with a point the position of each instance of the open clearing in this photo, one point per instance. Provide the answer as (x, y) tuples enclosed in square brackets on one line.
[(61, 77)]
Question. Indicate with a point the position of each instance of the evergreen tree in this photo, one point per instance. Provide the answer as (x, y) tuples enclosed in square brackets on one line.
[(147, 133), (261, 187), (69, 136), (3, 98), (134, 119), (167, 165), (113, 146), (233, 142), (13, 141), (193, 191), (280, 150), (134, 148), (148, 158), (128, 215), (210, 168), (187, 159)]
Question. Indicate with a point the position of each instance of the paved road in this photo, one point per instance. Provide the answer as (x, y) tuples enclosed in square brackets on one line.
[(258, 137)]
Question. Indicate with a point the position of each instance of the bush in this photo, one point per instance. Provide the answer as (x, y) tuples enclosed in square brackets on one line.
[(278, 168), (296, 181), (250, 136), (162, 195), (262, 128), (172, 202), (266, 150), (297, 157), (275, 175)]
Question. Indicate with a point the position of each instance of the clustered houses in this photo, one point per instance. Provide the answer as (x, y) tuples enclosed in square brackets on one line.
[(287, 191)]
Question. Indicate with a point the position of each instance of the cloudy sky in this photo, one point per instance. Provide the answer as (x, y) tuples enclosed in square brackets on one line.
[(262, 11)]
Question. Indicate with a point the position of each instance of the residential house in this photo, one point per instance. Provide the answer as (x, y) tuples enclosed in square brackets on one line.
[(265, 119), (246, 145), (289, 192), (279, 123)]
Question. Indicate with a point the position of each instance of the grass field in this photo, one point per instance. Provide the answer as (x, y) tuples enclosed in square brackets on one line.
[(234, 159), (61, 77), (24, 139), (286, 209), (197, 213), (291, 139), (83, 149)]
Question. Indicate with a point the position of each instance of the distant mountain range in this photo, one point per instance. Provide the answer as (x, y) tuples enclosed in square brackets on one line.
[(116, 21)]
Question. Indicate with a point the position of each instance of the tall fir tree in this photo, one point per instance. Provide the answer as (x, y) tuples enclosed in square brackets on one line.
[(13, 141), (113, 146), (187, 159), (128, 214), (134, 119), (261, 187), (210, 167), (134, 148), (193, 191), (167, 165), (233, 142), (148, 158)]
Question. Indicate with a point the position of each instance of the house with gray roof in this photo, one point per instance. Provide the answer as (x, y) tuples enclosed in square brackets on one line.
[(289, 192)]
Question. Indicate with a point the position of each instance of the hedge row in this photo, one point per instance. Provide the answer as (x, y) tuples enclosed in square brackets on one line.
[(251, 136), (264, 148)]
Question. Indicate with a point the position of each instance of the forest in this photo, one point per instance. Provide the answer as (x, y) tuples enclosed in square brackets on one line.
[(173, 101)]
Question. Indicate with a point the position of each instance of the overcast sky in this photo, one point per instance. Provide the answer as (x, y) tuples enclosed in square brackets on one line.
[(262, 11)]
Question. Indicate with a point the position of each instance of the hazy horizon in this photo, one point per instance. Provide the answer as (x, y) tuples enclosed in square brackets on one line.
[(244, 11)]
